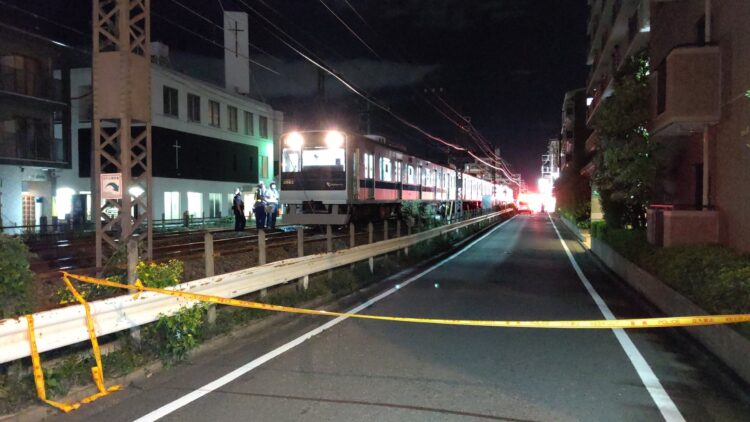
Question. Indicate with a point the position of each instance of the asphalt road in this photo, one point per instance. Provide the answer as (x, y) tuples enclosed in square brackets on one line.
[(369, 370)]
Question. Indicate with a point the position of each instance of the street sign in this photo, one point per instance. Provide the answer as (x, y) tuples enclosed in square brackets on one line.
[(111, 185)]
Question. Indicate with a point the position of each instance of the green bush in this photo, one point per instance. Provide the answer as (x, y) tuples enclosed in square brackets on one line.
[(172, 337), (15, 277), (714, 277), (160, 275)]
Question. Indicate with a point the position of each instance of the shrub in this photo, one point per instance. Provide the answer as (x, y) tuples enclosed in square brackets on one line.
[(714, 277), (160, 275), (15, 277), (172, 337)]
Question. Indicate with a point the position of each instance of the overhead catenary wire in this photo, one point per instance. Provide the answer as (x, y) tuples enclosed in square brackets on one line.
[(350, 29), (209, 40), (209, 21), (361, 93)]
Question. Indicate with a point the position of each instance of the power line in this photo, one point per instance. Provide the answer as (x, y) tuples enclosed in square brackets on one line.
[(349, 28), (209, 21), (261, 65)]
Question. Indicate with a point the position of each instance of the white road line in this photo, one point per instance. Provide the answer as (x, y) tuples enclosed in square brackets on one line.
[(658, 394), (244, 369)]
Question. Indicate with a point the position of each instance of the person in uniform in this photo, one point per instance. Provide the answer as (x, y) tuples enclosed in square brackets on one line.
[(238, 206), (259, 208), (272, 205)]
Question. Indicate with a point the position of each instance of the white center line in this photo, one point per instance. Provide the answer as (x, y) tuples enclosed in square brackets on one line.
[(658, 394), (244, 369)]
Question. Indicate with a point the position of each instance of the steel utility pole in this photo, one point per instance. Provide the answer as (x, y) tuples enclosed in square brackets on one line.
[(121, 123)]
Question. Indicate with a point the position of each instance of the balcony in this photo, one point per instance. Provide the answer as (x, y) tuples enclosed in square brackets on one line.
[(672, 225), (22, 82), (592, 142), (30, 141), (686, 91)]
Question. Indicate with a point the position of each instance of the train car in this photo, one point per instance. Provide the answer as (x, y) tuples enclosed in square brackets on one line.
[(330, 177)]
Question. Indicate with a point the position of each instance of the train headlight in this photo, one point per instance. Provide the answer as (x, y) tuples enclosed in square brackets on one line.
[(334, 139), (294, 141)]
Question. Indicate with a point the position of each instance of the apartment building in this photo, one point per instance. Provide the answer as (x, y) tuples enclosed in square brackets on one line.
[(35, 144), (617, 30), (573, 131), (700, 56)]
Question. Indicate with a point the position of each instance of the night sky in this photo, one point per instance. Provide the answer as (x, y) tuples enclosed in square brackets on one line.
[(504, 63)]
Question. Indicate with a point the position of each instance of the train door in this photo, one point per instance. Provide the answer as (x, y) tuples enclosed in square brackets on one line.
[(398, 178), (368, 164), (354, 175)]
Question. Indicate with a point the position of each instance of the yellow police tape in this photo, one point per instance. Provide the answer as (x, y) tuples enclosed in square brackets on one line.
[(97, 372), (685, 321)]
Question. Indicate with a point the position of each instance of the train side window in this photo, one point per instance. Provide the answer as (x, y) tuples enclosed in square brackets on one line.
[(397, 176), (368, 165), (385, 169), (410, 175)]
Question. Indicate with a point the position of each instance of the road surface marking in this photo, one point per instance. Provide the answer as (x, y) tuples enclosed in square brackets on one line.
[(658, 394), (244, 369)]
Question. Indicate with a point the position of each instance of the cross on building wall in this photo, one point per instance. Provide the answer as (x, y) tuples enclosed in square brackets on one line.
[(236, 31), (176, 147)]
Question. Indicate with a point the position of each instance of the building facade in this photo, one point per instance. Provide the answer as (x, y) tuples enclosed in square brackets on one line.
[(573, 131), (207, 140), (700, 56), (617, 30), (35, 143)]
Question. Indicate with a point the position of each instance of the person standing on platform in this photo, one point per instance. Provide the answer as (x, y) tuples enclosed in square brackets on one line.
[(272, 205), (238, 206), (259, 208)]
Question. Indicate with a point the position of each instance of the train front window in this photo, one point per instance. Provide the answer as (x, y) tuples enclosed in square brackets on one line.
[(313, 158), (291, 161)]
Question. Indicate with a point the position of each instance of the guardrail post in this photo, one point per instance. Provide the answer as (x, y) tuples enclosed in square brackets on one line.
[(352, 235), (262, 254), (132, 247), (370, 233), (208, 254), (304, 281), (385, 230), (163, 222), (408, 233), (329, 245)]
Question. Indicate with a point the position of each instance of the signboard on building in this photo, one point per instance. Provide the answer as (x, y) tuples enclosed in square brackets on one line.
[(110, 185)]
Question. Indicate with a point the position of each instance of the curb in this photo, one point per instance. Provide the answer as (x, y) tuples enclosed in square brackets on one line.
[(726, 344)]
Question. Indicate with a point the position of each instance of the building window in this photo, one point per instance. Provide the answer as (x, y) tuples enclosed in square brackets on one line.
[(264, 166), (214, 205), (232, 118), (263, 126), (24, 75), (195, 204), (170, 102), (214, 111), (194, 108), (171, 205), (249, 127)]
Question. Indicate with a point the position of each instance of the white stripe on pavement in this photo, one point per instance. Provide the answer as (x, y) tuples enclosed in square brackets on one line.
[(658, 394), (244, 369)]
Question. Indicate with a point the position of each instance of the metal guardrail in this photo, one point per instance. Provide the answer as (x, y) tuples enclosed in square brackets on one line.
[(63, 327)]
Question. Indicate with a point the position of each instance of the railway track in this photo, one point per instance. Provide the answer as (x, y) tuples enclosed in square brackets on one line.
[(49, 258)]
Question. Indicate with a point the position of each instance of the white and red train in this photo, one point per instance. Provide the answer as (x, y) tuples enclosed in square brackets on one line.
[(332, 177)]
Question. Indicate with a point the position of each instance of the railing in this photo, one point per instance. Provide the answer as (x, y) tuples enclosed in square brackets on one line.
[(62, 327), (24, 82)]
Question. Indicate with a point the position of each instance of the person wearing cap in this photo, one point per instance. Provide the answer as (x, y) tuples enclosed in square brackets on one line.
[(272, 205), (259, 208), (238, 207)]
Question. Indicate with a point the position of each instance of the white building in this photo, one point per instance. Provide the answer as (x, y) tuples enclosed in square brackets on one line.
[(207, 140)]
